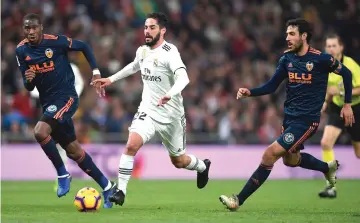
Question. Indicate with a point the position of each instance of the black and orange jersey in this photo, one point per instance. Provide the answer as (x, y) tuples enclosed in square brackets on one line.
[(307, 82), (54, 76)]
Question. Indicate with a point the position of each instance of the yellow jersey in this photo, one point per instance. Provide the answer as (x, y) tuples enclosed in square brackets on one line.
[(336, 80)]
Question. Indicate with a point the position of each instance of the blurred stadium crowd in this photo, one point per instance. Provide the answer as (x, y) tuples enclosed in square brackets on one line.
[(224, 43)]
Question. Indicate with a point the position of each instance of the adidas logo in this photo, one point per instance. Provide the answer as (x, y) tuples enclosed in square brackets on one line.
[(28, 58), (166, 47), (290, 65)]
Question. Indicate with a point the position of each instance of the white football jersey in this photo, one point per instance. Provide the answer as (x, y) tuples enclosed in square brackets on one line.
[(157, 68)]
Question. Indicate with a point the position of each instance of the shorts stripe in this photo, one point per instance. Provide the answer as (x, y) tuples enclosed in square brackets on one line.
[(183, 124), (64, 109), (304, 137)]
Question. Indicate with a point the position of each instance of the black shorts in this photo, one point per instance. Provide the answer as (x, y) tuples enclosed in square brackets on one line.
[(337, 121), (294, 133), (61, 111)]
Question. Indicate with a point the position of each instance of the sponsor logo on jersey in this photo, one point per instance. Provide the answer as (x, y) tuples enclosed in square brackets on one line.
[(300, 78), (44, 67), (151, 78), (49, 53)]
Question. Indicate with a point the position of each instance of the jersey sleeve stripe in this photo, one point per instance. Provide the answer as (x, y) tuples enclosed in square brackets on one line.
[(53, 37), (166, 47), (22, 42), (314, 51)]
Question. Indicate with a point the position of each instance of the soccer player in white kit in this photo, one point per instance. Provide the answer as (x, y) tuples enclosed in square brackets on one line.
[(161, 110)]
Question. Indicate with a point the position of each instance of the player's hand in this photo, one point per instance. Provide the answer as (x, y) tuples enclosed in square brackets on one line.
[(100, 84), (163, 100), (29, 75), (347, 114), (333, 91), (324, 107), (243, 93)]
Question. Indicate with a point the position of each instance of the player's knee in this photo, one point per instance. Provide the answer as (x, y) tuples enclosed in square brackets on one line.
[(357, 154), (289, 163), (357, 150), (40, 132)]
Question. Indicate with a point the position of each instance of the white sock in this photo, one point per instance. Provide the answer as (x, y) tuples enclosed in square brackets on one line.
[(62, 153), (196, 164), (108, 187), (125, 170)]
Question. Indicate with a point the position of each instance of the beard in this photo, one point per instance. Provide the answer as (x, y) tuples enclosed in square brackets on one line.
[(153, 41), (298, 46)]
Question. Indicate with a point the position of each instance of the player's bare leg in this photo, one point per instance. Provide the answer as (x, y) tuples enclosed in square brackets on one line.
[(42, 133), (190, 162), (134, 143), (76, 153), (331, 134)]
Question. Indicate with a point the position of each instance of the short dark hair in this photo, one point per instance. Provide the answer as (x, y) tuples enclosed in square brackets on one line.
[(334, 36), (303, 26), (160, 17), (32, 16)]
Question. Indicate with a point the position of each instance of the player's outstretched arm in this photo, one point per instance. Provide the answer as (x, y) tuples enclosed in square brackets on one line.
[(181, 80), (128, 70), (271, 86), (27, 74), (347, 80), (77, 45), (346, 112)]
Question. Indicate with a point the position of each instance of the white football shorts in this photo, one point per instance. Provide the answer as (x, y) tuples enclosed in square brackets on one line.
[(172, 135)]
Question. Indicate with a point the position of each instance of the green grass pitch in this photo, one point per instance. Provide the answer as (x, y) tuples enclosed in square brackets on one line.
[(180, 201)]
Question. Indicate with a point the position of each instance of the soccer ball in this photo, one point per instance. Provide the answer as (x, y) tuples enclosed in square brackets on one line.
[(87, 199)]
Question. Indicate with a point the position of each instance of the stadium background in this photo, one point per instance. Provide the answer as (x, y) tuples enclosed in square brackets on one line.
[(225, 44)]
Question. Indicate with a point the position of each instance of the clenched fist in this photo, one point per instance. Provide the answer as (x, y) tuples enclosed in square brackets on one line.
[(29, 75), (243, 93)]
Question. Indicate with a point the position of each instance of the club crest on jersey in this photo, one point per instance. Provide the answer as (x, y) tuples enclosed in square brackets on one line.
[(156, 62), (49, 53), (289, 138), (51, 108), (143, 54), (309, 66)]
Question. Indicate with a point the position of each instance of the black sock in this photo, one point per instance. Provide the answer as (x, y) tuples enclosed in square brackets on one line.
[(49, 147), (88, 166), (255, 181), (309, 162)]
